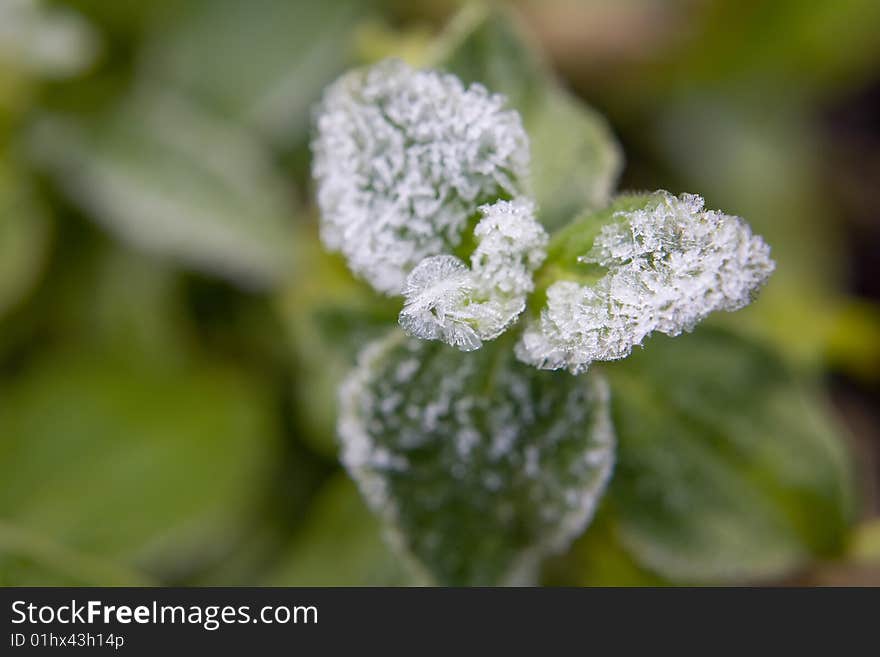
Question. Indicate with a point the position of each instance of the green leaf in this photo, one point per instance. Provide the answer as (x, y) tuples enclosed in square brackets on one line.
[(24, 236), (147, 465), (341, 544), (729, 469), (575, 159), (486, 45), (262, 63), (169, 178), (480, 465)]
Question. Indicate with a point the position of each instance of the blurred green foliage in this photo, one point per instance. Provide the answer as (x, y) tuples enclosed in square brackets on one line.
[(24, 236), (172, 334), (341, 544), (172, 179)]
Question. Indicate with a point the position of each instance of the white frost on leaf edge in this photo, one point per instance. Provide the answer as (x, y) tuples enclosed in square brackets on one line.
[(669, 265), (463, 307), (402, 160)]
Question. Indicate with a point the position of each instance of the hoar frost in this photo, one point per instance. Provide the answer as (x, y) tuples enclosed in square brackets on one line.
[(669, 265), (407, 161), (446, 300), (403, 158)]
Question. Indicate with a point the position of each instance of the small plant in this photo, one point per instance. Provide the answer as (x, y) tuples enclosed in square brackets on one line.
[(464, 430)]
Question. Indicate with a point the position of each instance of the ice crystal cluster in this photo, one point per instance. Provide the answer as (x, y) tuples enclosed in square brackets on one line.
[(669, 265), (412, 167), (446, 300), (403, 158)]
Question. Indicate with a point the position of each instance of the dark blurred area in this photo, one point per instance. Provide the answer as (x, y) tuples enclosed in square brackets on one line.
[(167, 366)]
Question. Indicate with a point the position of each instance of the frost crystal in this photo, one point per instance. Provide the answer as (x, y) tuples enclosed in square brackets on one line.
[(403, 158), (462, 307), (669, 265)]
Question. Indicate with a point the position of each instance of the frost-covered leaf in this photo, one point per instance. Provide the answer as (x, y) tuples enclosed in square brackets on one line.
[(24, 236), (44, 40), (479, 464), (729, 468), (654, 263), (261, 62), (169, 178), (446, 300), (403, 158), (575, 158)]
